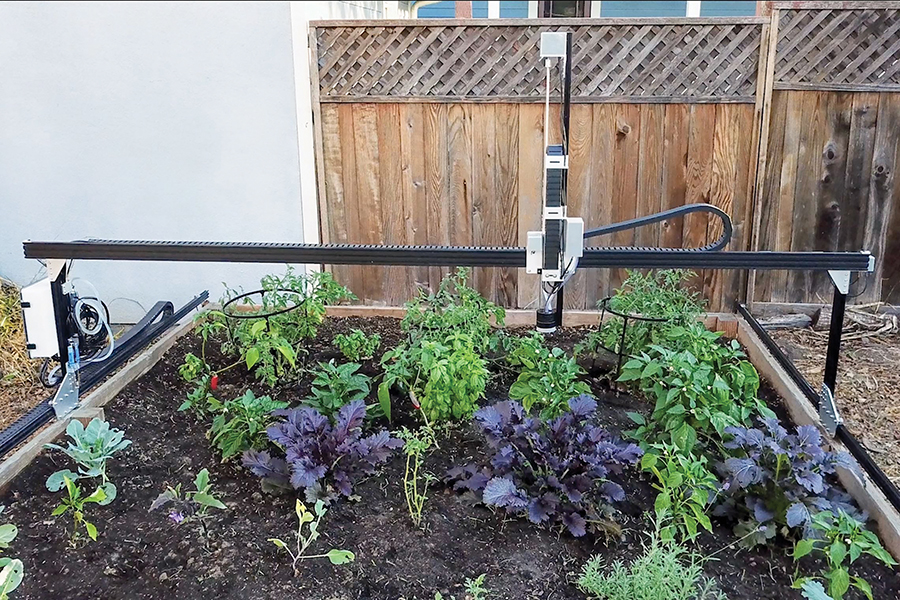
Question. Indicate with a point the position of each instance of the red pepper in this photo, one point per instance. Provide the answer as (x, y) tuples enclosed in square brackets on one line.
[(214, 382)]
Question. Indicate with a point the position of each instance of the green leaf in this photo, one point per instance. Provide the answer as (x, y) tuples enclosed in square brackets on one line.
[(109, 491), (340, 557), (252, 357), (838, 552), (662, 503), (278, 543), (201, 482), (648, 461), (207, 500), (636, 417), (838, 583), (91, 530), (863, 586), (8, 533), (299, 508), (384, 399), (685, 437), (803, 547), (56, 481), (98, 496), (62, 508), (257, 328), (812, 589)]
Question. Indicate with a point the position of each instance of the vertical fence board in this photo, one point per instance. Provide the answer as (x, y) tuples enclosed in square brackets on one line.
[(351, 275), (391, 190), (861, 148), (579, 188), (699, 174), (625, 177), (485, 207), (507, 191), (650, 171), (531, 152), (678, 118), (722, 189), (770, 190), (367, 217), (598, 210), (415, 197), (437, 183), (881, 190)]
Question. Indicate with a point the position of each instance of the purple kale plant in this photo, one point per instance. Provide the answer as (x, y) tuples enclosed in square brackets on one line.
[(553, 471), (775, 481), (321, 458)]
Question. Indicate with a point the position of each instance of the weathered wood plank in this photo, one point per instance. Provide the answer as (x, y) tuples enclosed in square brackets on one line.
[(769, 196), (507, 192), (437, 183), (699, 175), (485, 208), (650, 171), (626, 154), (350, 276), (579, 188), (722, 190), (599, 209), (881, 193), (678, 119), (368, 214), (460, 149), (838, 110), (807, 190), (860, 150), (890, 291), (413, 144), (391, 191), (531, 151)]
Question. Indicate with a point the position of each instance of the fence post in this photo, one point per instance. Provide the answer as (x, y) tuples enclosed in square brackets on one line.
[(765, 82)]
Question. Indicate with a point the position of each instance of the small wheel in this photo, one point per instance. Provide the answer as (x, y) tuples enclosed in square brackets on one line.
[(50, 374)]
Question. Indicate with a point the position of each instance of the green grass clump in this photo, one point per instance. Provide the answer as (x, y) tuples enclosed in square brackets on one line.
[(665, 571)]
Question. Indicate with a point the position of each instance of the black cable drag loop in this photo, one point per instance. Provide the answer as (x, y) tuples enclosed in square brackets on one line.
[(719, 244)]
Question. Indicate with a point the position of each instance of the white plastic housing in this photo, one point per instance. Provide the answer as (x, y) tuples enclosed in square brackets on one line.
[(40, 324), (534, 252), (553, 44), (574, 244)]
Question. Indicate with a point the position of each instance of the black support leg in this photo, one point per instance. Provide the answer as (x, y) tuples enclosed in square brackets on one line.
[(838, 306)]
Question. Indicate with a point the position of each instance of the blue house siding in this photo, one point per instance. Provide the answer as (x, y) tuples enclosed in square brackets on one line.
[(630, 8), (722, 8), (517, 9)]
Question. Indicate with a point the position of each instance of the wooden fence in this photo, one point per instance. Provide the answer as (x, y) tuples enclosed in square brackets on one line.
[(829, 178), (432, 133)]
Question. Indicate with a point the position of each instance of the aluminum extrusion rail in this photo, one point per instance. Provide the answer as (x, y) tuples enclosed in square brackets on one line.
[(462, 256), (142, 333)]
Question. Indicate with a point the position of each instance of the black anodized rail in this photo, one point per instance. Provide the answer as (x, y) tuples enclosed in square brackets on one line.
[(351, 254)]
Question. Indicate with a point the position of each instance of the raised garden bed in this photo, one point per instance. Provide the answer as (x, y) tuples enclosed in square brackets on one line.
[(142, 554)]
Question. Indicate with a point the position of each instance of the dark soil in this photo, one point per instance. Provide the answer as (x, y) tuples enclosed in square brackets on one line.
[(145, 555)]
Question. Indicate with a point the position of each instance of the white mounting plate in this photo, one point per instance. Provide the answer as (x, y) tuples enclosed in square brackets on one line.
[(553, 44)]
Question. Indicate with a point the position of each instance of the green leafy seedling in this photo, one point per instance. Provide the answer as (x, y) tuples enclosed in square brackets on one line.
[(75, 503), (311, 519)]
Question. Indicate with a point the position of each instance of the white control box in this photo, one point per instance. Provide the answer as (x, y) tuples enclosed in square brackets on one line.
[(534, 252), (40, 323), (553, 44), (574, 246)]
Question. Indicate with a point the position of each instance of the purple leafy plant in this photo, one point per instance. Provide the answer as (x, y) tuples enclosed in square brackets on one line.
[(555, 472), (777, 480), (321, 458)]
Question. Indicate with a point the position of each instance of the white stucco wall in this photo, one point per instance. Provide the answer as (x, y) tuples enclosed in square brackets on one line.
[(147, 121)]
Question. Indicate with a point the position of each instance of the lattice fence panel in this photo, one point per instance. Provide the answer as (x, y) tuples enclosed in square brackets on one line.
[(702, 60), (839, 49)]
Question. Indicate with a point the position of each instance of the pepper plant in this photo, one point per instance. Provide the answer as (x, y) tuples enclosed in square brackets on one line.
[(75, 502), (334, 386), (241, 424), (356, 345), (547, 378), (840, 539)]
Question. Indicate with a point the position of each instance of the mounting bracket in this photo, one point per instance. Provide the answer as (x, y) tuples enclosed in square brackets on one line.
[(841, 280), (828, 411)]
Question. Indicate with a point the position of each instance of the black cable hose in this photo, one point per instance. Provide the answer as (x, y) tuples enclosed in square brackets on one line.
[(672, 213)]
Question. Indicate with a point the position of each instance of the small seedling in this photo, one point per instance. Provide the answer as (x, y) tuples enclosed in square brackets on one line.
[(90, 448), (475, 589), (76, 502), (416, 444), (190, 506), (304, 516), (357, 345), (841, 540)]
